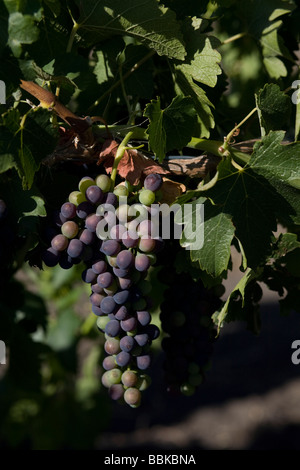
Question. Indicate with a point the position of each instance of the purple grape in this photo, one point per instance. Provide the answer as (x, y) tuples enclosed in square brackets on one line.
[(96, 299), (143, 362), (94, 194), (75, 248), (127, 343), (144, 317), (88, 276), (110, 247), (65, 262), (59, 242), (120, 272), (59, 219), (121, 297), (153, 182), (121, 313), (130, 239), (92, 221), (105, 279), (84, 209), (123, 359), (99, 267), (97, 311), (108, 305), (142, 339), (124, 282), (112, 328), (112, 345), (116, 391), (125, 259), (142, 262), (97, 289), (68, 210), (87, 237), (50, 257), (109, 363), (129, 324)]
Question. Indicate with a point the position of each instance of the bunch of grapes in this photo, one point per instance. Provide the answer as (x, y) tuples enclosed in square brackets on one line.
[(189, 331), (111, 232)]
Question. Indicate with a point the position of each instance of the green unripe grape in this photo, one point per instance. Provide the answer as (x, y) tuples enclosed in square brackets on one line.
[(76, 197), (147, 197), (144, 382), (132, 397), (112, 346), (187, 389), (102, 322), (111, 377), (122, 213), (121, 190), (104, 183), (129, 378), (85, 183), (195, 380), (69, 229)]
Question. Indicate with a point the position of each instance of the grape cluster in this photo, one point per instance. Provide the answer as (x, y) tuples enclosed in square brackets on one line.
[(111, 232), (189, 332)]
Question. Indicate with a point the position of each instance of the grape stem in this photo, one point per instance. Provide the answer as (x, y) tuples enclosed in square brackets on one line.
[(119, 155)]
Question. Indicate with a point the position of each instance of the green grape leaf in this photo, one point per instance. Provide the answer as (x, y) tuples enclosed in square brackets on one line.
[(218, 231), (6, 162), (186, 86), (22, 29), (145, 20), (220, 316), (202, 60), (257, 196), (274, 106), (172, 127)]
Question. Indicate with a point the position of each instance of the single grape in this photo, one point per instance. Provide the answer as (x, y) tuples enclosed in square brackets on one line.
[(111, 199), (85, 183), (116, 391), (110, 247), (68, 210), (109, 363), (94, 194), (105, 279), (96, 299), (121, 190), (113, 327), (127, 343), (92, 221), (97, 289), (69, 229), (84, 209), (124, 282), (104, 183), (120, 272), (147, 197), (112, 345), (76, 197), (144, 317), (101, 322), (97, 310), (59, 242), (87, 237), (132, 397), (143, 362), (88, 276), (108, 305), (121, 297), (75, 248), (99, 267), (51, 257), (111, 377), (147, 245), (129, 324), (130, 238), (142, 262), (129, 378), (153, 182), (125, 259), (123, 359), (121, 313), (141, 339)]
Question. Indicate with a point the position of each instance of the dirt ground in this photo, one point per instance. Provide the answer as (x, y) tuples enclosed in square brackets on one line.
[(249, 401)]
